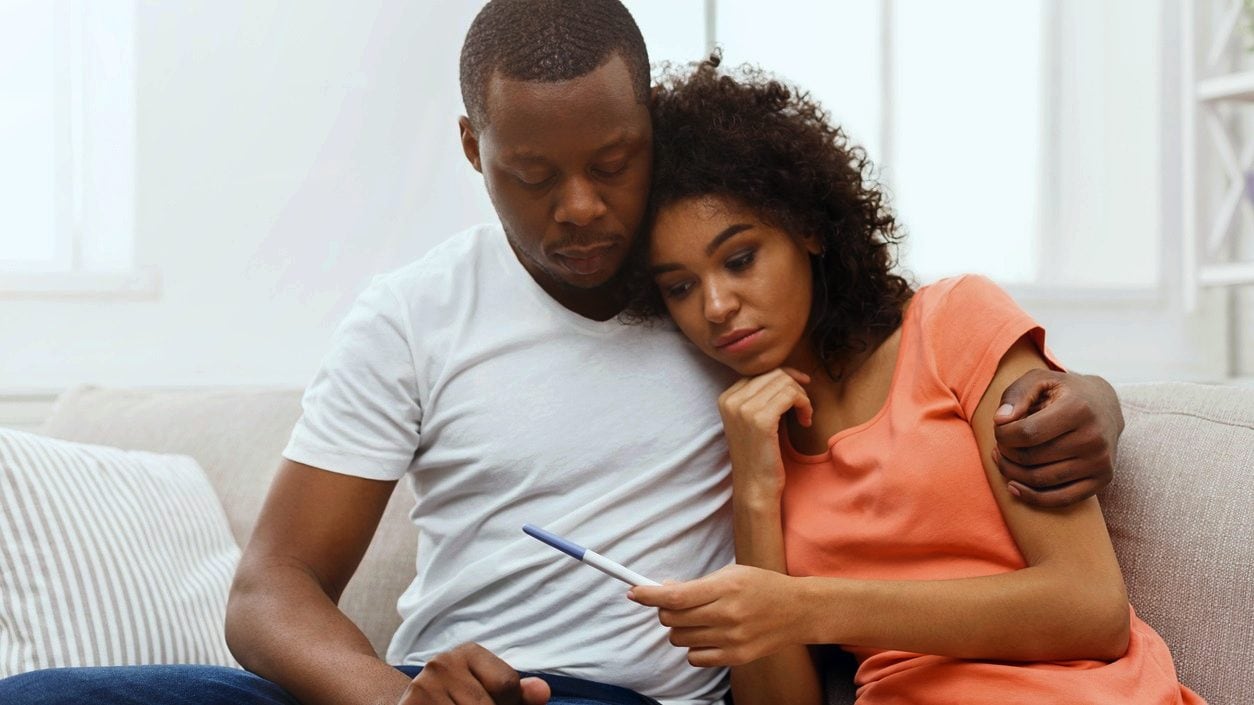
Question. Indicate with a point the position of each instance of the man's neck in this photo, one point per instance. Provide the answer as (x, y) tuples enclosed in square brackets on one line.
[(599, 304)]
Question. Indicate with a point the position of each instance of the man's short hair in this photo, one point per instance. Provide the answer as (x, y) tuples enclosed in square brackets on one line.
[(548, 41)]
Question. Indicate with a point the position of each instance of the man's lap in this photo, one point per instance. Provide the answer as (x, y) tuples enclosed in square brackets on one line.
[(143, 685), (215, 685)]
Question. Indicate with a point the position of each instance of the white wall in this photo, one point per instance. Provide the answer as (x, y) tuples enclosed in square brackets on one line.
[(286, 152)]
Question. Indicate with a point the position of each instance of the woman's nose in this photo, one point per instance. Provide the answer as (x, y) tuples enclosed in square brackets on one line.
[(720, 303)]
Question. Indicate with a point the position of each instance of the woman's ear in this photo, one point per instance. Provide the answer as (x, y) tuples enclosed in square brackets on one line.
[(813, 244)]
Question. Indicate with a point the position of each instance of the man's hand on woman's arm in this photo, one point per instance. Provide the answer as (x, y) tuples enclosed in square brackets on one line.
[(283, 622), (1056, 437)]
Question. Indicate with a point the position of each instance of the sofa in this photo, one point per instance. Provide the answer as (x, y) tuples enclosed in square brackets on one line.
[(1180, 511)]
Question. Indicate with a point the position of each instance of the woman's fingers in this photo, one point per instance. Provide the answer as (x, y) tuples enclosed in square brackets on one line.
[(767, 397), (749, 387), (709, 658), (698, 637), (755, 385), (801, 377), (784, 397), (674, 597)]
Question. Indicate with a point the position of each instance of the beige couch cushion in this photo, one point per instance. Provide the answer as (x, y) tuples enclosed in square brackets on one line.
[(1180, 509), (1181, 514), (109, 557), (237, 436)]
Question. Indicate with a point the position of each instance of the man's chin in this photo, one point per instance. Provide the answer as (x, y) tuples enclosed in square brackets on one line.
[(586, 273), (575, 278), (587, 282)]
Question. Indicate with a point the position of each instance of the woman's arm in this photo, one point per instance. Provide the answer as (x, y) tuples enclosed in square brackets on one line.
[(751, 410), (788, 675), (1069, 602)]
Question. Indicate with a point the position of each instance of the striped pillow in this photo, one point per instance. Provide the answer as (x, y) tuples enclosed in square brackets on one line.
[(108, 557)]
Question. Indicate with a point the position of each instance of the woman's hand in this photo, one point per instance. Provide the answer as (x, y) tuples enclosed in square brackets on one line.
[(751, 411), (730, 617)]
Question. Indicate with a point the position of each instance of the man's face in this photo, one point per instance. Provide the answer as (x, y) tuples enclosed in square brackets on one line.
[(567, 168)]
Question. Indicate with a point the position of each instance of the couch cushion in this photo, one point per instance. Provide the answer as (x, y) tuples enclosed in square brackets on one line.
[(1181, 515), (237, 435), (111, 558)]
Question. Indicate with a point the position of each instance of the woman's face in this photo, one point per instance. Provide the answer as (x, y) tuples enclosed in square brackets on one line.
[(738, 288)]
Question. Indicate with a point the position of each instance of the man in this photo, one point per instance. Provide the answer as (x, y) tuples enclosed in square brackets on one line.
[(493, 375)]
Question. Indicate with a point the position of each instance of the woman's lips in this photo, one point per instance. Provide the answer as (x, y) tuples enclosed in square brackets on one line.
[(738, 340)]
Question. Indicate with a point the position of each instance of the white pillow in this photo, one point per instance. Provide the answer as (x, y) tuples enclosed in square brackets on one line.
[(109, 558)]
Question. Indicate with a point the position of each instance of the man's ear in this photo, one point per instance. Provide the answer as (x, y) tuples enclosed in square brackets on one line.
[(470, 142), (653, 91)]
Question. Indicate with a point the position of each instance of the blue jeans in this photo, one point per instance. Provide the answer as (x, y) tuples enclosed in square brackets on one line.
[(214, 685)]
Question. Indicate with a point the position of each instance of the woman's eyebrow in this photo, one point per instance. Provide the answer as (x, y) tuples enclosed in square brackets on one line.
[(726, 234)]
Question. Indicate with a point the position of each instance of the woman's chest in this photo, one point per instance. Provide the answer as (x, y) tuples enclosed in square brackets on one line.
[(904, 497)]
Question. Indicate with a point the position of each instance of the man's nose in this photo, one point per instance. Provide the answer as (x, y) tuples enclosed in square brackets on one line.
[(579, 203)]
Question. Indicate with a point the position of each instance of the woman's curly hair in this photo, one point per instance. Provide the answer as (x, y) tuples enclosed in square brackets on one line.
[(770, 147)]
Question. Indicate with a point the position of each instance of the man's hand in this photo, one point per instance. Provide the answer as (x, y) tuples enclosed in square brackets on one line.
[(472, 675), (1056, 437)]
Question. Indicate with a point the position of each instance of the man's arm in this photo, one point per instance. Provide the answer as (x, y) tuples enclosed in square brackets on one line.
[(1056, 437), (283, 623)]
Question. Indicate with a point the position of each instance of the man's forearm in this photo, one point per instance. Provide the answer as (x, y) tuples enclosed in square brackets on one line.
[(283, 627)]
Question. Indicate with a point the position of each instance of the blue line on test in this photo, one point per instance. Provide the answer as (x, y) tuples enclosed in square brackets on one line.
[(570, 548)]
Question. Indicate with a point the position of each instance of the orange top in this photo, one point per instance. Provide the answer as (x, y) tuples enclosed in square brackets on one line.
[(904, 496)]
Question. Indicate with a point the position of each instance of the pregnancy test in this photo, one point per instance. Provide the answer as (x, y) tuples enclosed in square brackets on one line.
[(590, 557)]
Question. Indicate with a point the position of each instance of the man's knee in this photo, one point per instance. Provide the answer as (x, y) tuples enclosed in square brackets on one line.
[(49, 685), (142, 685), (44, 686)]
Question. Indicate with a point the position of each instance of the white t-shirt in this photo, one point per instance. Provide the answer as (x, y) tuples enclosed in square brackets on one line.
[(504, 408)]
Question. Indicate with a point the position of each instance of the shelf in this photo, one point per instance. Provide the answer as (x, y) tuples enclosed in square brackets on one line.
[(1233, 86)]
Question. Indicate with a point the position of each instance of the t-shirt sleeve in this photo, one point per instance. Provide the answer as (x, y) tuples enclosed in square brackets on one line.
[(971, 327), (361, 414)]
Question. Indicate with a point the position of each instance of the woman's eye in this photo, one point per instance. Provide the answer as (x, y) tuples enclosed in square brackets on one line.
[(740, 261), (676, 291)]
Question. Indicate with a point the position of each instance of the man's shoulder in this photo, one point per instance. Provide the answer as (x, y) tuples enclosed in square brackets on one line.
[(442, 285), (460, 254)]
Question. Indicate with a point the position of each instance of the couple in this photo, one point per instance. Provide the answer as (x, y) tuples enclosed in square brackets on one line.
[(868, 455)]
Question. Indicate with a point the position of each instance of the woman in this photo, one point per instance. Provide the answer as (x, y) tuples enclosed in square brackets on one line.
[(868, 508)]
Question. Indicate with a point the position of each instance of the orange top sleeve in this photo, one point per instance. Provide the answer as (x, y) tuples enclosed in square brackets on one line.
[(969, 325)]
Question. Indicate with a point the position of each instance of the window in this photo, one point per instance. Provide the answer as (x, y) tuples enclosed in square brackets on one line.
[(67, 130), (674, 31), (1017, 139)]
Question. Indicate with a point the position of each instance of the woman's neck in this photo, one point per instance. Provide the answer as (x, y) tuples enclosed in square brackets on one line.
[(852, 394)]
